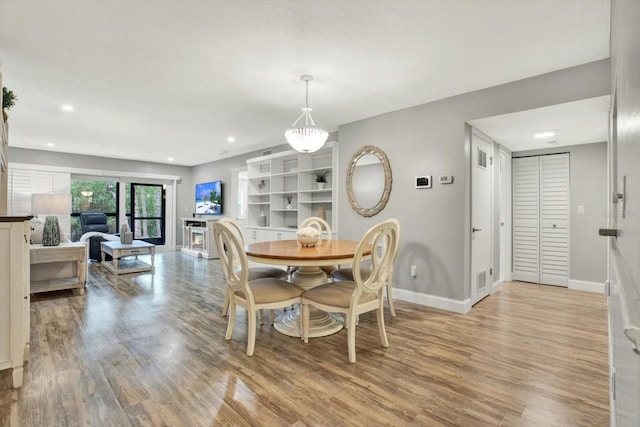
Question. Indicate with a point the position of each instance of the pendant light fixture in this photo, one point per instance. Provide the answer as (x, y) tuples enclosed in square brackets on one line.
[(307, 137)]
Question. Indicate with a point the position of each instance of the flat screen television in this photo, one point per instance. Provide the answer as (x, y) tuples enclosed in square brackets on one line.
[(209, 198)]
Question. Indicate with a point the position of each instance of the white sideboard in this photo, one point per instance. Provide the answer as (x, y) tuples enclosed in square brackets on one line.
[(197, 237), (14, 294)]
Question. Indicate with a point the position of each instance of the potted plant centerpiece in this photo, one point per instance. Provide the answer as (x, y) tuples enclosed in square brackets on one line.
[(321, 178), (8, 101)]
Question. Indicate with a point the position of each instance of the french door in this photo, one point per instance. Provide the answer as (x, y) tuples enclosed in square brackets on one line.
[(146, 211)]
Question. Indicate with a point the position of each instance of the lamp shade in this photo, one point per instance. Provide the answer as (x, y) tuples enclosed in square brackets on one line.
[(307, 139), (51, 204)]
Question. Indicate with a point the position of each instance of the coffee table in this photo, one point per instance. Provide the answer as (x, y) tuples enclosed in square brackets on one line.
[(120, 252)]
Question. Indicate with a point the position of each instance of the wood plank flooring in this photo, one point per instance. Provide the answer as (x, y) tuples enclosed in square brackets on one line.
[(149, 350)]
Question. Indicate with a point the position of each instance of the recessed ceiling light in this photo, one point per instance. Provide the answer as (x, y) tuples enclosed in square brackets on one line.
[(231, 140), (170, 159), (67, 107), (50, 144), (541, 135)]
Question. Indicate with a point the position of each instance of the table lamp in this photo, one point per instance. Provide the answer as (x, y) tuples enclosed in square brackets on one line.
[(51, 204)]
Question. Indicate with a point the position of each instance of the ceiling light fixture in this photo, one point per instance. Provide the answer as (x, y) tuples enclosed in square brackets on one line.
[(50, 144), (541, 135), (67, 107), (307, 138), (231, 140), (170, 159)]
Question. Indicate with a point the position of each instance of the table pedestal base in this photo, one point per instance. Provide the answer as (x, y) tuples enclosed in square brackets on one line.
[(308, 277), (321, 324)]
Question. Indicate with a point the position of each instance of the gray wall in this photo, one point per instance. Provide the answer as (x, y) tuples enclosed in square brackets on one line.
[(588, 187), (430, 140), (49, 158), (625, 61), (221, 170)]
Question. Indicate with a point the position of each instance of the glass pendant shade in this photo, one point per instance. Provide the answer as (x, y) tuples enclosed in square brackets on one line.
[(308, 138)]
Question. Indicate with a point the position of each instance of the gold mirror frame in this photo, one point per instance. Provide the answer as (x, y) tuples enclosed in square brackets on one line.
[(388, 179)]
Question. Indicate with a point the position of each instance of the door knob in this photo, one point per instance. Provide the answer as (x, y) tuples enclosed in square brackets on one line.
[(476, 229)]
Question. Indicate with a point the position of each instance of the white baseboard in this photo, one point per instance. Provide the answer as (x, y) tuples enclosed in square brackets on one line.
[(581, 285), (434, 301), (495, 287)]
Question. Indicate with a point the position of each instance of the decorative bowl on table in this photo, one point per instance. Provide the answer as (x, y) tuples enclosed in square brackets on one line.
[(308, 237)]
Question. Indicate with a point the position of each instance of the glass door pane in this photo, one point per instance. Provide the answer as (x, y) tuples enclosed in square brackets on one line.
[(147, 212)]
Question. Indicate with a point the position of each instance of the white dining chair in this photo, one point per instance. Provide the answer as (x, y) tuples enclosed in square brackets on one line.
[(361, 295), (254, 272), (321, 225), (265, 293), (346, 274)]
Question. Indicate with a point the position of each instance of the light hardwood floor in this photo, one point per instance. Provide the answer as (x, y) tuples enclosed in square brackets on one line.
[(149, 350)]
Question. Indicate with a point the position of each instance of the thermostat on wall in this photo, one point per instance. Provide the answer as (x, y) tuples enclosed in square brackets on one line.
[(445, 179), (423, 181)]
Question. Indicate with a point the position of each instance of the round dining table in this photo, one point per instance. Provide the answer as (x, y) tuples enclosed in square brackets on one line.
[(307, 275)]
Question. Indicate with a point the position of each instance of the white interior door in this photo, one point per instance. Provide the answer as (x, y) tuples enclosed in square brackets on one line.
[(554, 216), (481, 198), (526, 218)]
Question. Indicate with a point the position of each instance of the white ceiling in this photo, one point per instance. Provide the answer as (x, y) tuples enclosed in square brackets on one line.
[(573, 123), (152, 80)]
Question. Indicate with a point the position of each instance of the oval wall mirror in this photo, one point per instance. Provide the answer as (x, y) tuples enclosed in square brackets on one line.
[(369, 180)]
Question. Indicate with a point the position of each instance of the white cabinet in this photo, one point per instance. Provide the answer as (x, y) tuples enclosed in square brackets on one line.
[(282, 191), (255, 235), (14, 295), (197, 237)]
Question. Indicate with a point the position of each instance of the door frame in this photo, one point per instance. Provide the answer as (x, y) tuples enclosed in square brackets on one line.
[(233, 209), (505, 222)]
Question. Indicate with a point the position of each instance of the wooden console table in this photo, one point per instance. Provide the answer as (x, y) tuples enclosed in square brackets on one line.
[(59, 267)]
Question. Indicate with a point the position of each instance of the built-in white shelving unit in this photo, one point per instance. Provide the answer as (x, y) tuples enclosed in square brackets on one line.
[(283, 187)]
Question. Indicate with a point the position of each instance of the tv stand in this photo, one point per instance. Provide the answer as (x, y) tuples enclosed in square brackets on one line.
[(197, 237)]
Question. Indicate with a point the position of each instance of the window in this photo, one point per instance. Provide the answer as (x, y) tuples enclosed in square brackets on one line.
[(93, 196)]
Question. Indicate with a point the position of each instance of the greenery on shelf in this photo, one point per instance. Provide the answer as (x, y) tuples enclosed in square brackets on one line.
[(8, 98), (321, 175)]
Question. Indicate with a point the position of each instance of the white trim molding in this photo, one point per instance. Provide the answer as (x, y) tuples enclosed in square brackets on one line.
[(434, 301), (94, 172), (495, 287), (581, 285)]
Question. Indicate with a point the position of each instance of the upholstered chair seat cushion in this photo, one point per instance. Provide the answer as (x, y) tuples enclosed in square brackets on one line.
[(256, 273), (336, 294), (269, 290), (343, 274)]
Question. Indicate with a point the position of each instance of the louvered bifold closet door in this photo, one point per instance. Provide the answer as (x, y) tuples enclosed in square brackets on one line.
[(554, 219), (526, 238)]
